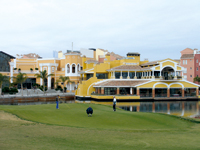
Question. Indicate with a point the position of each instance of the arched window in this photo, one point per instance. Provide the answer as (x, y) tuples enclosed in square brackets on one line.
[(73, 68), (68, 68)]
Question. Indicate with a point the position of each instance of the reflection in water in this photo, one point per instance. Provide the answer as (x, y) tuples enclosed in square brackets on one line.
[(184, 108)]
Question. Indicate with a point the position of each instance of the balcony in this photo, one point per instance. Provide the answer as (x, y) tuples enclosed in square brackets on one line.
[(27, 71)]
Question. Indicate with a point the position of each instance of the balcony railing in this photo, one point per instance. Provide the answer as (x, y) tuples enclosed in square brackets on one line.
[(26, 71), (145, 95), (175, 95), (161, 95)]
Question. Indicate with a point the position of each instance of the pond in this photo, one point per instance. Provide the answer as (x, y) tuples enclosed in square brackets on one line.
[(179, 108)]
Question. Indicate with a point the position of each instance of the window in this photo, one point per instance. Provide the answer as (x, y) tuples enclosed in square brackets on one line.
[(197, 61), (73, 68), (52, 69), (68, 68), (102, 76), (190, 68), (184, 62), (190, 75), (45, 68), (197, 68), (190, 59)]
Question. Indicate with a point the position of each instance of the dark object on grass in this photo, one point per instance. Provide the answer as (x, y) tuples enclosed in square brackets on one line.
[(89, 111)]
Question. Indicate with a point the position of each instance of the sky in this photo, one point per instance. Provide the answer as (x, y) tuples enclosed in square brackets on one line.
[(157, 29)]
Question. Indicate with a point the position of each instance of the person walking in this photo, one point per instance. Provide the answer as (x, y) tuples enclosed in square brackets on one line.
[(57, 102), (114, 103)]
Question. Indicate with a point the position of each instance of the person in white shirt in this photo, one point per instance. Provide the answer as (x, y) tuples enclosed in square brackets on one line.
[(114, 103)]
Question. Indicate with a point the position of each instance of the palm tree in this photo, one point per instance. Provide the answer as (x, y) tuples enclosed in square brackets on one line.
[(3, 78), (20, 79), (56, 83), (63, 80), (43, 75)]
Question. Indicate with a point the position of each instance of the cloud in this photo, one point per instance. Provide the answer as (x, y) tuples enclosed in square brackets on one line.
[(151, 27)]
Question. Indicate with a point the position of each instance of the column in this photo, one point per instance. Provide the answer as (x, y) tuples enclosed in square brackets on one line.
[(160, 75), (135, 76), (49, 78), (183, 92), (70, 86), (121, 75), (138, 91), (142, 75), (99, 90), (138, 108), (149, 74), (183, 108), (153, 93), (153, 107), (197, 91), (113, 74), (168, 108), (168, 92), (128, 75), (117, 90), (41, 82), (131, 91), (175, 77), (153, 77), (11, 71), (102, 90)]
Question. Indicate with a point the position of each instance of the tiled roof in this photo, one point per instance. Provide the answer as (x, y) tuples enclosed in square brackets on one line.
[(187, 56), (122, 83), (128, 67), (116, 55), (150, 63), (91, 61)]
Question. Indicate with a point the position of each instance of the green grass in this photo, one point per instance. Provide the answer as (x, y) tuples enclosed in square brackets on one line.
[(70, 128)]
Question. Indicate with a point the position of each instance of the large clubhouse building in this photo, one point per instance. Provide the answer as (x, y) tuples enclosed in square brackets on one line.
[(130, 79)]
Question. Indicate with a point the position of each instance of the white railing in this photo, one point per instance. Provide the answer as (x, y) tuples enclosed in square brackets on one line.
[(27, 71)]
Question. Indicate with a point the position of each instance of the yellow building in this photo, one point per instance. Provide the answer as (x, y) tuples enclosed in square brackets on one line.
[(131, 79), (68, 64)]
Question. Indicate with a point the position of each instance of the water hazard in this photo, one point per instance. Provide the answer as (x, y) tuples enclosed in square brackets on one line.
[(179, 108)]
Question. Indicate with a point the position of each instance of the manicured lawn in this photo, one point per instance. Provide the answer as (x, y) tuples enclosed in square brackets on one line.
[(70, 128)]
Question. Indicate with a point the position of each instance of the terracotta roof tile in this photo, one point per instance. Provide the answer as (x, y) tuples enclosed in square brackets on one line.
[(122, 83), (150, 63), (127, 67), (187, 56)]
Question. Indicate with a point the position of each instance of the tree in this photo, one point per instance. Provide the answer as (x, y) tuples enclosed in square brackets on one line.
[(56, 83), (196, 79), (3, 78), (63, 80), (20, 79), (43, 75)]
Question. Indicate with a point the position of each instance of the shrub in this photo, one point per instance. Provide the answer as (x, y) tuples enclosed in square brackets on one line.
[(41, 88), (6, 90)]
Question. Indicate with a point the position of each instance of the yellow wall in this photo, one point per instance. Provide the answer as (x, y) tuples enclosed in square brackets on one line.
[(99, 52), (168, 63)]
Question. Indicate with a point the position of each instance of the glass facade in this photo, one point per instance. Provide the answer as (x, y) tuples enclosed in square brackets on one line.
[(102, 76), (4, 62), (110, 91)]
